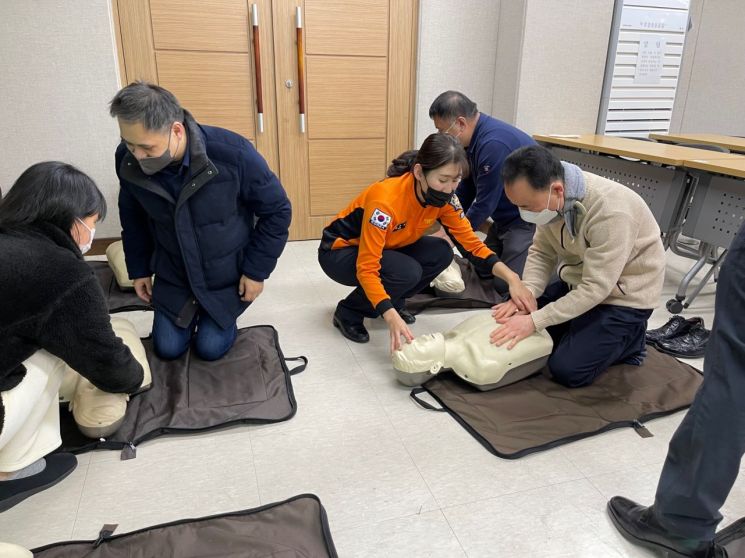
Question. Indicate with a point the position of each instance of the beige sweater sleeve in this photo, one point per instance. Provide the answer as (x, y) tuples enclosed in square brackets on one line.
[(611, 241), (540, 264)]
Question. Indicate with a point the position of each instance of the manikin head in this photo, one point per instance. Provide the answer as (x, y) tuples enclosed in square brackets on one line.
[(422, 358)]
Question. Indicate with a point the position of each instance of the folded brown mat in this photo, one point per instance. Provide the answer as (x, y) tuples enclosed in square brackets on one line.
[(250, 384), (119, 300), (537, 413), (479, 293), (295, 528)]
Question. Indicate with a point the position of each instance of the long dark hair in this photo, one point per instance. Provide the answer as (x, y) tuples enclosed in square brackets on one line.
[(51, 192), (437, 150)]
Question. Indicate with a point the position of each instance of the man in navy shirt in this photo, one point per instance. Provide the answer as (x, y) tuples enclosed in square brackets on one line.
[(488, 142), (200, 211)]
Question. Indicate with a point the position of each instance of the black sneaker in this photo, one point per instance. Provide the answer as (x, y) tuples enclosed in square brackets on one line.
[(689, 345), (353, 332), (677, 325), (406, 316), (59, 465)]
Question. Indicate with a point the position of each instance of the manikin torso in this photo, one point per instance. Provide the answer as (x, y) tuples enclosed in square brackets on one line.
[(467, 350)]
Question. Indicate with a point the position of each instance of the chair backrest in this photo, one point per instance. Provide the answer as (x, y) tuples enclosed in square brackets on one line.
[(707, 146)]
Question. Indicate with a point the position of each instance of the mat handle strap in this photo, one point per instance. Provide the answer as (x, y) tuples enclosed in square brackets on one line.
[(105, 533), (300, 367), (421, 402)]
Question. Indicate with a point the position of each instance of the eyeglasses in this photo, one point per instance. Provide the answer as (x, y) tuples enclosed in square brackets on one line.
[(450, 127)]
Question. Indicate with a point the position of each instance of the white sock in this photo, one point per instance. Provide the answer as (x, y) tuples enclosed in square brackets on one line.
[(35, 468)]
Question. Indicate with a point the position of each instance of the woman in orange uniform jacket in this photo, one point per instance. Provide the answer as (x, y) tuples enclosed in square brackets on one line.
[(377, 243)]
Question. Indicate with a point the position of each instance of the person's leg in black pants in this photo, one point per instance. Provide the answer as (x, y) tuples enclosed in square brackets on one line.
[(403, 272), (596, 340), (510, 243), (705, 452)]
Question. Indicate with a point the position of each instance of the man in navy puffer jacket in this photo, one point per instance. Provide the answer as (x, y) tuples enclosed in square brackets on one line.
[(201, 212)]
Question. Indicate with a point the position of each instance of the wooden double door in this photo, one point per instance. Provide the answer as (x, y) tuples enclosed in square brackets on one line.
[(348, 65)]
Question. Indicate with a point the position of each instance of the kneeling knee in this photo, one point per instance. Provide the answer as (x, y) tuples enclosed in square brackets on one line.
[(168, 351), (569, 374), (212, 348)]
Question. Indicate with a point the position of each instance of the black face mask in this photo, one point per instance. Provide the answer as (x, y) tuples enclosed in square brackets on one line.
[(435, 198)]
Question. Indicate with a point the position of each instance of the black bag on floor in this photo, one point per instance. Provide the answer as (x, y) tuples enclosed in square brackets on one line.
[(250, 384), (295, 528)]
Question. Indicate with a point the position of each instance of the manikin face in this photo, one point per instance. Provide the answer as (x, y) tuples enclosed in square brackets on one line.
[(425, 354)]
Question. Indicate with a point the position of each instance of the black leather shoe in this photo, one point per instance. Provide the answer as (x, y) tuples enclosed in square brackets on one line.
[(689, 345), (406, 316), (353, 332), (677, 325), (58, 466), (639, 525)]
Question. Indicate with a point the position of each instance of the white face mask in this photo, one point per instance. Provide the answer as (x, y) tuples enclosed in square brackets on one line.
[(540, 217), (87, 246)]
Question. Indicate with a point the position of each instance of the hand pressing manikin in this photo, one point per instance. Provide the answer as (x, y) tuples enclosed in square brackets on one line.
[(467, 350)]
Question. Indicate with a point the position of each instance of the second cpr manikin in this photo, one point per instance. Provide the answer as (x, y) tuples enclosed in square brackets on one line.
[(466, 350)]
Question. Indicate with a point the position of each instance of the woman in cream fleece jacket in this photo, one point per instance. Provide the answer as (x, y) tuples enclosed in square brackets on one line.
[(603, 242)]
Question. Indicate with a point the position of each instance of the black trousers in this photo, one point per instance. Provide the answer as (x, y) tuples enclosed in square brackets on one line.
[(588, 345), (403, 271), (510, 242), (704, 457)]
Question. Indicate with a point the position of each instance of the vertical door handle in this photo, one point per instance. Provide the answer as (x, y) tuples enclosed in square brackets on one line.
[(257, 67), (300, 66)]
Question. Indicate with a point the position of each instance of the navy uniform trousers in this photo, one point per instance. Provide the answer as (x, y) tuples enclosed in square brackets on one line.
[(589, 344), (705, 452), (510, 242), (404, 272)]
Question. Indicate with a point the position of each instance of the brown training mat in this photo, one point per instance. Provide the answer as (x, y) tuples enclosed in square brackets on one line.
[(119, 300), (295, 528), (537, 413), (250, 384), (479, 293)]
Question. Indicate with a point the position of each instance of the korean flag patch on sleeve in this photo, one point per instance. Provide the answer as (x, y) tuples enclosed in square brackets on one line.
[(380, 219)]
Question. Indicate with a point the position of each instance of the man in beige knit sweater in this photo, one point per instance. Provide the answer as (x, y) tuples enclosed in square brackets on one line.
[(604, 243)]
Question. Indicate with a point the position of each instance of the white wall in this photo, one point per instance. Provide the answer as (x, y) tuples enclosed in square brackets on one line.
[(709, 97), (538, 64), (564, 49), (59, 68), (510, 35), (457, 50)]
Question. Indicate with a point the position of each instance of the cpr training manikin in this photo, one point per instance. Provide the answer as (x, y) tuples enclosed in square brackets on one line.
[(97, 413), (467, 351)]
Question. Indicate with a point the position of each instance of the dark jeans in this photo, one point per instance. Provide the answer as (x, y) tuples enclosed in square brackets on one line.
[(704, 457), (211, 342), (588, 345), (510, 242), (403, 271)]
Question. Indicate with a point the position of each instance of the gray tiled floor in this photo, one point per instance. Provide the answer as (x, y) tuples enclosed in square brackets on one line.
[(396, 480)]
